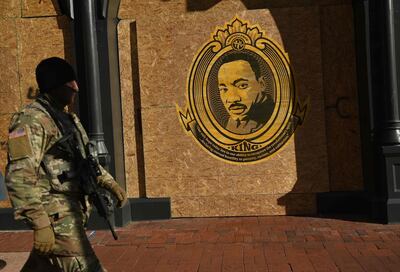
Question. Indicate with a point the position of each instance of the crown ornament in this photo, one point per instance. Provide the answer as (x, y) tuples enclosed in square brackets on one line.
[(237, 34)]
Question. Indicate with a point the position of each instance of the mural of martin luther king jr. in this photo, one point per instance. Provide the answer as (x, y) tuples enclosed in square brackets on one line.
[(242, 89)]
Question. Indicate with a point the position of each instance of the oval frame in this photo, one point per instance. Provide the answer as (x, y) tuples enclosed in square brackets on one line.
[(208, 131)]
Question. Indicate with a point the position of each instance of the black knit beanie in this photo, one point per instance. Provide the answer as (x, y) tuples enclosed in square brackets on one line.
[(52, 73)]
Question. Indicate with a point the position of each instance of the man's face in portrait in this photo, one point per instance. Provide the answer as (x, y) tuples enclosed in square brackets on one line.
[(239, 88)]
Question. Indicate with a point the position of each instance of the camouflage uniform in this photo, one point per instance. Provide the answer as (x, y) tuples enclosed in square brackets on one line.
[(38, 194)]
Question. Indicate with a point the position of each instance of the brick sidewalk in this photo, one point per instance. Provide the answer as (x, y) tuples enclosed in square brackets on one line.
[(277, 243)]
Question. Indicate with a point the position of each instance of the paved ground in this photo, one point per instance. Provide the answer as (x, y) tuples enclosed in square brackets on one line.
[(279, 243)]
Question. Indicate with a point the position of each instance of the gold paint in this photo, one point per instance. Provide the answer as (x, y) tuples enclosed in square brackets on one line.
[(241, 95)]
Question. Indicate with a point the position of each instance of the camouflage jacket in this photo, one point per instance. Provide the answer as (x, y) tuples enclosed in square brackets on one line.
[(33, 168)]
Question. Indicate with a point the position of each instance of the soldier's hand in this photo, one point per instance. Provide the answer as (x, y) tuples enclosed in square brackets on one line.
[(119, 193), (44, 240)]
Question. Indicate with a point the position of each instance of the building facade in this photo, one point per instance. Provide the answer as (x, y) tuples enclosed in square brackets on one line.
[(147, 50)]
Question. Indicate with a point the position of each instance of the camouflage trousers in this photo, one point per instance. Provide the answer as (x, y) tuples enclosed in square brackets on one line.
[(72, 251), (53, 263)]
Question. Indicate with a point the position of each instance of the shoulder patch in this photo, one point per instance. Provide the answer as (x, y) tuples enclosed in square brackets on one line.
[(19, 145)]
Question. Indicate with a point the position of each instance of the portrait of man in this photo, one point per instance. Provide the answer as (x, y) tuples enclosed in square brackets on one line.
[(241, 95), (243, 91)]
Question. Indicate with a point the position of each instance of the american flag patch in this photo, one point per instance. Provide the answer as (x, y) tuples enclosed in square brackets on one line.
[(17, 133)]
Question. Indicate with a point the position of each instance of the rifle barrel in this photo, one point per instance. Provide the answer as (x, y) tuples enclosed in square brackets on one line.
[(114, 234)]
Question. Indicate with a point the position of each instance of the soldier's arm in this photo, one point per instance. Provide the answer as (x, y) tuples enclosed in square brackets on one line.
[(105, 180), (26, 147)]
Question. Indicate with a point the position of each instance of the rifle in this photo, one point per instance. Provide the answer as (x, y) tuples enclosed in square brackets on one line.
[(89, 168)]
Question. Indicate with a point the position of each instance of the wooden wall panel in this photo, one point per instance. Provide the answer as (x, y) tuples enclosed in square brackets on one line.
[(128, 119), (9, 92), (39, 8), (341, 98), (176, 166), (10, 8)]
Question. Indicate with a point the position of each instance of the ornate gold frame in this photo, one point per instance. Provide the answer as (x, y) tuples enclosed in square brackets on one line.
[(200, 122)]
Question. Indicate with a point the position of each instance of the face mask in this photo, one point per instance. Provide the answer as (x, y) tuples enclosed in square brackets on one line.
[(63, 95)]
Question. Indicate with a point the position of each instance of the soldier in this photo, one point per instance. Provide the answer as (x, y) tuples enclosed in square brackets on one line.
[(43, 178)]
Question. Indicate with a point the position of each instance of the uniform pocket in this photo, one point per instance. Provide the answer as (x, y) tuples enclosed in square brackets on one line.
[(70, 235)]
